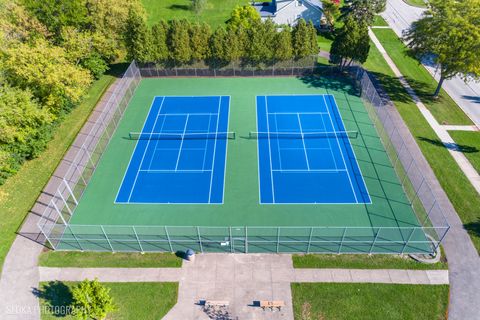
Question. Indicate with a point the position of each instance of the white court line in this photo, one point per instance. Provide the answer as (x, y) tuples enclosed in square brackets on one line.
[(206, 142), (331, 149), (189, 113), (144, 152), (214, 150), (156, 144), (278, 143), (181, 143), (269, 150), (303, 141), (295, 113), (341, 152), (311, 170), (174, 171)]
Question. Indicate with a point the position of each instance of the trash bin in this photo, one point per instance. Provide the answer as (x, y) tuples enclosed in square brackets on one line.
[(190, 255)]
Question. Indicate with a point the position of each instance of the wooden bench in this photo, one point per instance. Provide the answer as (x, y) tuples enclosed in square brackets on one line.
[(272, 304), (216, 303)]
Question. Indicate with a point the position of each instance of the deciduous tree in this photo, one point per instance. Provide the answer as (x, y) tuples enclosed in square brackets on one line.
[(450, 31), (138, 38), (179, 41), (244, 17), (199, 36), (159, 42), (91, 300), (283, 45), (331, 11)]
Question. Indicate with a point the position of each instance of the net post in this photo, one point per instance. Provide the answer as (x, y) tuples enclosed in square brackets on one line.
[(408, 240), (168, 238), (374, 241), (278, 238), (310, 240), (106, 237), (70, 191), (199, 239), (138, 239), (341, 241), (75, 236)]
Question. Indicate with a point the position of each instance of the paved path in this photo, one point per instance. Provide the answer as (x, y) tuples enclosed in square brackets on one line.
[(20, 273), (241, 279), (457, 154), (460, 128), (464, 262), (400, 16)]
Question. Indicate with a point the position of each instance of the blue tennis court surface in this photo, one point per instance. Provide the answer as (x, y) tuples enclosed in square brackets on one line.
[(304, 152), (180, 154)]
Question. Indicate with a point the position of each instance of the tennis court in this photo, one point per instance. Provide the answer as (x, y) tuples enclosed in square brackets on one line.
[(304, 152), (180, 154)]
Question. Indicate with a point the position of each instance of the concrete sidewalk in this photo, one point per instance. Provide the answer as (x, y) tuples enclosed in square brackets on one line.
[(241, 279)]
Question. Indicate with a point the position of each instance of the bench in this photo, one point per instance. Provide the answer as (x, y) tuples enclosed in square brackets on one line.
[(272, 304), (216, 303)]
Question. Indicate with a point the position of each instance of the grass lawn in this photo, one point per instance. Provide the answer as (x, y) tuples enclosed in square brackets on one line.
[(416, 3), (138, 300), (20, 192), (335, 301), (362, 261), (216, 13), (379, 21), (64, 259), (444, 108), (469, 142), (461, 193)]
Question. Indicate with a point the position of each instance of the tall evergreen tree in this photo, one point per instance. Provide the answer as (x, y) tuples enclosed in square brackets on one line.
[(301, 35), (218, 46), (179, 41), (235, 43), (138, 38), (159, 42), (283, 45), (199, 36), (261, 41)]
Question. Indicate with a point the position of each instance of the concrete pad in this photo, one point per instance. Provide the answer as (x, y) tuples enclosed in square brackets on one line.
[(341, 275), (305, 275), (418, 276), (361, 276), (49, 274), (399, 276), (224, 274), (244, 272), (438, 276), (282, 275)]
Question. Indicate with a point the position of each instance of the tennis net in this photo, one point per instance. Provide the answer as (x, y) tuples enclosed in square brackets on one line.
[(180, 136), (303, 135)]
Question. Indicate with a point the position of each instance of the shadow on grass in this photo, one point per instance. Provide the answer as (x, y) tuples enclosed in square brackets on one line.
[(473, 228), (451, 146), (58, 297), (179, 7)]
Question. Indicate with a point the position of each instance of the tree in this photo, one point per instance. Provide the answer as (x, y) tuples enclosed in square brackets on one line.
[(364, 10), (244, 17), (138, 38), (219, 46), (352, 43), (283, 45), (450, 30), (199, 36), (304, 39), (91, 300), (261, 38), (198, 5), (235, 43), (45, 70), (179, 41), (331, 12), (159, 41)]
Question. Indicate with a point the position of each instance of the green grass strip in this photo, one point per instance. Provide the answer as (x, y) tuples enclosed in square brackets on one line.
[(361, 261), (62, 259), (137, 300), (444, 109), (459, 190), (469, 143), (19, 193), (335, 301)]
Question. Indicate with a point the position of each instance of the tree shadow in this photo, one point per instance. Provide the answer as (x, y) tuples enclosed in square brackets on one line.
[(474, 99), (58, 297), (473, 228), (451, 146), (179, 7), (331, 80), (117, 69)]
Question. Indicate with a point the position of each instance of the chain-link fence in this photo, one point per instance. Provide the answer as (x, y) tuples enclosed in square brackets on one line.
[(62, 235)]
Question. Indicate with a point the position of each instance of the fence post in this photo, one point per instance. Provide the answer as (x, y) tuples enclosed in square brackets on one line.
[(70, 191), (168, 238), (106, 237), (138, 239), (246, 239), (310, 240), (231, 239), (75, 236), (58, 212), (278, 238), (341, 241), (65, 202), (199, 239)]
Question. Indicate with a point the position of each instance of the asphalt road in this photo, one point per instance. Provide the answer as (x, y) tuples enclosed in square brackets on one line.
[(399, 16)]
